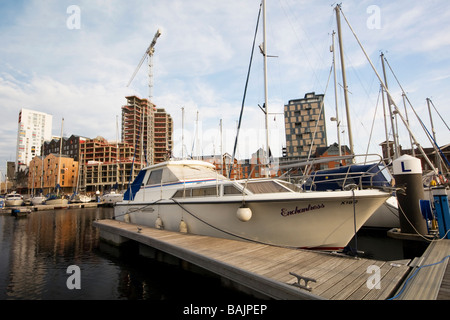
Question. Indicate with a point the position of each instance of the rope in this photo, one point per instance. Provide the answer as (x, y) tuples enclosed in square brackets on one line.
[(418, 233), (131, 210), (414, 274), (227, 232)]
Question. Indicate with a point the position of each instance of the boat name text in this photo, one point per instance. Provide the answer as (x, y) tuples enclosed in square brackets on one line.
[(285, 212)]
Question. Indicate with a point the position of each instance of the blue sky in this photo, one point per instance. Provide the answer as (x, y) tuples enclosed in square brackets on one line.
[(201, 62)]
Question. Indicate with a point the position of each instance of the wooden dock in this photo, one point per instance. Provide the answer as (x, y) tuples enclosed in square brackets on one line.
[(429, 279), (44, 207), (269, 270)]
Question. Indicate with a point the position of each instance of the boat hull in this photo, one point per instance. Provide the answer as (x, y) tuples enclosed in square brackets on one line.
[(38, 200), (14, 202), (327, 221), (112, 198), (58, 203), (385, 216), (81, 199)]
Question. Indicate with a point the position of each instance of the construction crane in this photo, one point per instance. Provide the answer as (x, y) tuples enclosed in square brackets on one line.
[(149, 52)]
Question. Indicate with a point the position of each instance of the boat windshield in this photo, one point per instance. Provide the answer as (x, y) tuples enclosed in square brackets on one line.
[(177, 173), (268, 186)]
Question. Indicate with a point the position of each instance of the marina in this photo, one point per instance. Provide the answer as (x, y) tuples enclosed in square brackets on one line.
[(159, 265), (139, 218), (35, 253), (282, 273)]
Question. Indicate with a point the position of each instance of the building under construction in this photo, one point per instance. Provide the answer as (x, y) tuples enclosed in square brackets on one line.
[(106, 165), (163, 135), (146, 140), (147, 134), (148, 129)]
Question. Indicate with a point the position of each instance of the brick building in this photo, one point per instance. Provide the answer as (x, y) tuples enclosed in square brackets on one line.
[(43, 173), (304, 124)]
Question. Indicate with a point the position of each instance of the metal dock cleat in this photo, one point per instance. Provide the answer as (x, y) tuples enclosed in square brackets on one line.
[(304, 279)]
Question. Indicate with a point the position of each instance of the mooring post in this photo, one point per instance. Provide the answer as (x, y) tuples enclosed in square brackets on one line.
[(408, 175)]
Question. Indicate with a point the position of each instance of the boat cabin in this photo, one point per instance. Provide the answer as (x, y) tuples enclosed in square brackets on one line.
[(190, 178)]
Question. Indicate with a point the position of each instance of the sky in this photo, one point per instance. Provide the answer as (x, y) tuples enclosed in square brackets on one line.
[(73, 60)]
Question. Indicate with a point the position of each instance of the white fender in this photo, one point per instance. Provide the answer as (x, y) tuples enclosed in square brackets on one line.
[(244, 214), (159, 224), (183, 227)]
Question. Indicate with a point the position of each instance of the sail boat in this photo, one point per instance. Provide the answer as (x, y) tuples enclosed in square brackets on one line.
[(40, 199), (76, 196), (56, 199), (191, 196), (376, 173)]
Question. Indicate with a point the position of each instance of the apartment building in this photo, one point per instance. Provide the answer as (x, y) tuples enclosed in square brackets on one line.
[(33, 129), (44, 176), (305, 125)]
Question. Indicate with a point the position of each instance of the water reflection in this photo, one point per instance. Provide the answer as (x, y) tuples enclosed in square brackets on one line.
[(35, 253)]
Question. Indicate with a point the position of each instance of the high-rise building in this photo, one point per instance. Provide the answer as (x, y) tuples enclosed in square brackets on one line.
[(163, 133), (33, 128), (138, 128), (148, 129), (305, 124)]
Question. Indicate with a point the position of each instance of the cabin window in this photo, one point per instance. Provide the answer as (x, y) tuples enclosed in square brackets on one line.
[(196, 192), (182, 193), (230, 190), (203, 192), (155, 177)]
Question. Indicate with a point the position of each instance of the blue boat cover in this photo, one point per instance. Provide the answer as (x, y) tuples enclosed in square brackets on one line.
[(336, 179), (134, 187)]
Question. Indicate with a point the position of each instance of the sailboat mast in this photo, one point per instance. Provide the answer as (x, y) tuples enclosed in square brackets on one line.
[(182, 133), (344, 79), (433, 131), (266, 94), (392, 100), (60, 151), (393, 127), (336, 96)]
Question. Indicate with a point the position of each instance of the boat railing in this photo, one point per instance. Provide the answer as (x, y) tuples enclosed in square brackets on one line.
[(364, 176)]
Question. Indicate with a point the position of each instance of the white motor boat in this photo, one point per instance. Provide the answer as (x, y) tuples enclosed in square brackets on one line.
[(57, 201), (37, 200), (83, 198), (190, 196), (13, 199), (111, 198)]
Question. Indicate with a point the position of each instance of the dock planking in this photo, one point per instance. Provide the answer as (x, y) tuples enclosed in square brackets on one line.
[(429, 279), (266, 269)]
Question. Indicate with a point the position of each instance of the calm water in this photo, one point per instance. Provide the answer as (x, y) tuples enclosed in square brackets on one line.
[(35, 253)]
